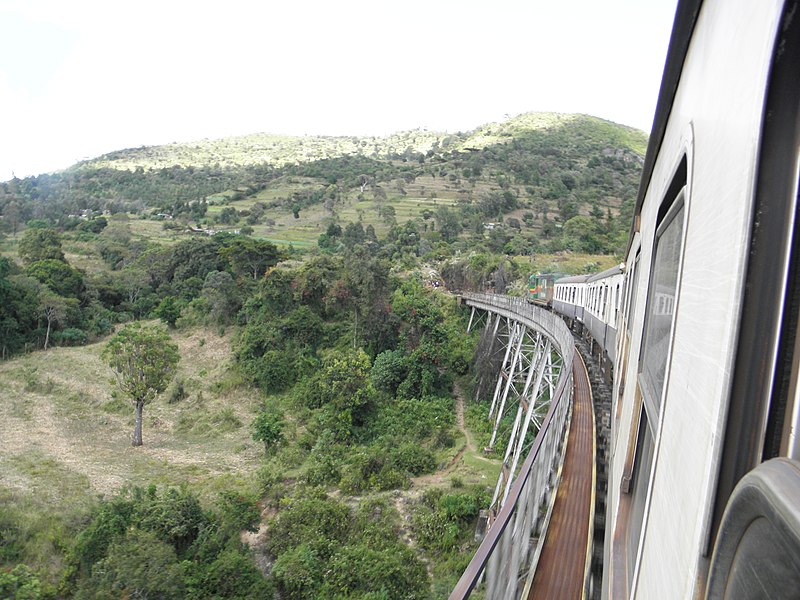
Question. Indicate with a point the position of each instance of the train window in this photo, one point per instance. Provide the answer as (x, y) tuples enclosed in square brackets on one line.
[(639, 484), (632, 294), (660, 306), (656, 340)]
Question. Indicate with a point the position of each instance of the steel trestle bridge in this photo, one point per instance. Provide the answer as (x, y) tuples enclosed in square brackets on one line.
[(538, 542)]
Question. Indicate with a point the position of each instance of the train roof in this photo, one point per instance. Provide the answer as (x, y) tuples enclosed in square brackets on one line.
[(682, 28), (574, 279), (615, 270)]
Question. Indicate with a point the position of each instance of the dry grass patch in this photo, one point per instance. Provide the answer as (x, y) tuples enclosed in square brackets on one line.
[(59, 409)]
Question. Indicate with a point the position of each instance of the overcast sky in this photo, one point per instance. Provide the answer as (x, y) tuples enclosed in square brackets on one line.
[(79, 78)]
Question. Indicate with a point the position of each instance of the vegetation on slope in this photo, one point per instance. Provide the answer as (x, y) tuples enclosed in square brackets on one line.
[(532, 175), (315, 425)]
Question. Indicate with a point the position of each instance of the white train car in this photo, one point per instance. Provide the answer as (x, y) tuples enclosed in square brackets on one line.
[(601, 309), (704, 482), (569, 296)]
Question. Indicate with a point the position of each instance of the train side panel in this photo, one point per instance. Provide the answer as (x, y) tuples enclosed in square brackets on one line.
[(666, 445)]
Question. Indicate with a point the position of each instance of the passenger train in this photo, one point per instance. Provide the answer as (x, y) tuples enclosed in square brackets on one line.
[(700, 324)]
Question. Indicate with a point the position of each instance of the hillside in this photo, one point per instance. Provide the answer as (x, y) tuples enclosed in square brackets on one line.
[(530, 174), (324, 409)]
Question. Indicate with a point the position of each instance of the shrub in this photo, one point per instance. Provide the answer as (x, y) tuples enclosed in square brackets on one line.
[(298, 573), (20, 583), (268, 429), (238, 512), (269, 478), (309, 517), (138, 565), (71, 337), (176, 391), (395, 572), (231, 575), (413, 458)]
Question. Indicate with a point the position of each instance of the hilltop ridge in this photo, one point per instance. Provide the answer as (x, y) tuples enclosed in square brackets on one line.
[(281, 150)]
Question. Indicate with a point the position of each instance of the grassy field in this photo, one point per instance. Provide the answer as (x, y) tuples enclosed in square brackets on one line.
[(65, 428)]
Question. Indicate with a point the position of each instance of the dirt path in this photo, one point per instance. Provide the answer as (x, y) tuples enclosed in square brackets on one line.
[(460, 417)]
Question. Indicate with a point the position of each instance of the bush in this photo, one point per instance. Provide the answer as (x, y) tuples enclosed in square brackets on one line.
[(269, 478), (176, 391), (238, 512), (412, 458), (231, 575), (20, 583), (70, 337), (268, 429), (388, 371), (138, 565), (414, 418), (394, 572), (435, 532), (310, 517), (298, 573)]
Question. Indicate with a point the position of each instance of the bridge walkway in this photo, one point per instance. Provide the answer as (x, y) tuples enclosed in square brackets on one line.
[(563, 564)]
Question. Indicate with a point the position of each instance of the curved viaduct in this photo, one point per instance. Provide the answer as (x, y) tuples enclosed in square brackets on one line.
[(539, 537)]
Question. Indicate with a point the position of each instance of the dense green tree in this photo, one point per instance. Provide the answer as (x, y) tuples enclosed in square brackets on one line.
[(168, 310), (314, 279), (12, 214), (58, 276), (19, 314), (40, 244), (250, 257), (342, 389), (389, 370), (144, 360), (447, 223), (196, 258), (219, 289), (137, 566), (228, 216), (580, 234), (273, 297)]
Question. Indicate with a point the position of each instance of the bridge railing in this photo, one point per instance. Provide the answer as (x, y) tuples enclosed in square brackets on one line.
[(504, 564)]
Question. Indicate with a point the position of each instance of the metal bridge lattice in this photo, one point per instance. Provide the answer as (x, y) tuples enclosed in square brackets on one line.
[(530, 411)]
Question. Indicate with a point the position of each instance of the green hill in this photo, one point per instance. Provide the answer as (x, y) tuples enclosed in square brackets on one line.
[(529, 175)]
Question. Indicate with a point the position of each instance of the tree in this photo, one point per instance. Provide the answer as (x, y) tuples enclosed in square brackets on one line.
[(11, 215), (448, 223), (53, 308), (137, 566), (220, 291), (228, 216), (58, 276), (40, 244), (344, 391), (144, 360), (168, 310), (251, 257)]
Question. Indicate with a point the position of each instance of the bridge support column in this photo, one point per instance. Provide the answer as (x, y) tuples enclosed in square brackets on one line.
[(471, 317)]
